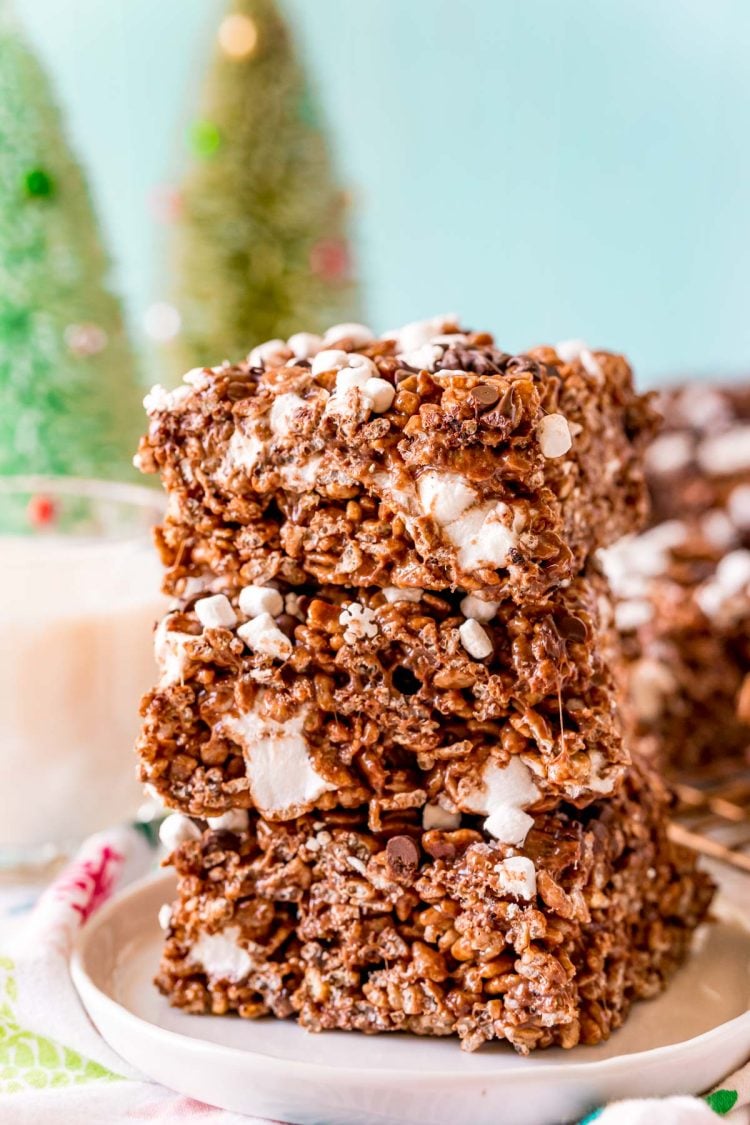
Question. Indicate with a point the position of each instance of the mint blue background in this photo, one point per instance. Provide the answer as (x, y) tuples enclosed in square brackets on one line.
[(549, 168)]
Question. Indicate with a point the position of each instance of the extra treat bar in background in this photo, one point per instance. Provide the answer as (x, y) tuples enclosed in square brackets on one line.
[(284, 701), (699, 466), (428, 458), (435, 931)]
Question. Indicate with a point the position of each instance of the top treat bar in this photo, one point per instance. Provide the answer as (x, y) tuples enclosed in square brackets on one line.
[(427, 458)]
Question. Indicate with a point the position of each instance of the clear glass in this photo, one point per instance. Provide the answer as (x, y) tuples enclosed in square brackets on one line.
[(79, 596)]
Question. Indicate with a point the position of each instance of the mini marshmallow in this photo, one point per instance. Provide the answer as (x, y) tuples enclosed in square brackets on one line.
[(329, 360), (283, 411), (553, 433), (216, 612), (221, 955), (177, 829), (381, 394), (262, 636), (394, 594), (197, 377), (350, 378), (255, 600), (571, 350), (502, 795), (738, 504), (418, 332), (517, 877), (359, 334), (425, 358), (478, 608), (650, 684), (358, 621), (669, 453), (159, 398), (444, 496), (165, 916), (271, 353), (725, 453), (475, 640), (633, 613), (304, 345), (236, 820), (435, 816)]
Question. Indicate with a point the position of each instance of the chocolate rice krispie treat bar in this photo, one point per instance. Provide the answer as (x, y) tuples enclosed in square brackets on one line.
[(684, 621), (428, 458), (435, 930), (285, 701), (699, 466)]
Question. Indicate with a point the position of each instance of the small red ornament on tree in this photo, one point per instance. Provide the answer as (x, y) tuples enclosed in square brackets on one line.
[(330, 259), (41, 511)]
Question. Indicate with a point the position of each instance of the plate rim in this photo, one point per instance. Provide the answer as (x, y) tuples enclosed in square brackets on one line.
[(87, 989)]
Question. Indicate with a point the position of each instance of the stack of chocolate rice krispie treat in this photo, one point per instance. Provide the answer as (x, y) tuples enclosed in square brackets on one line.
[(684, 586), (388, 712)]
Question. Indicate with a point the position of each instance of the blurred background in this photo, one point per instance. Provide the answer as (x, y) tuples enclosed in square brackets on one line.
[(548, 170)]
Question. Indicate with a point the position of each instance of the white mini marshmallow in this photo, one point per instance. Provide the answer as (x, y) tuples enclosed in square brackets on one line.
[(170, 652), (726, 453), (177, 829), (165, 916), (633, 613), (329, 360), (284, 410), (394, 594), (359, 334), (435, 816), (264, 637), (197, 377), (350, 377), (571, 350), (236, 820), (418, 332), (221, 956), (359, 622), (502, 795), (304, 345), (553, 433), (381, 394), (444, 496), (475, 640), (216, 612), (478, 608), (425, 358), (738, 504), (669, 453), (650, 683), (159, 398), (255, 600), (517, 877), (281, 775), (271, 353)]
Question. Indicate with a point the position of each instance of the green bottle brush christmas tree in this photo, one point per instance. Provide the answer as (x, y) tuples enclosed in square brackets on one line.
[(70, 402), (260, 238)]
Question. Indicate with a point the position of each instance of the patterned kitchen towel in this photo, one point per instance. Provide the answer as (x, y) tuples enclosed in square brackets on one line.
[(54, 1066)]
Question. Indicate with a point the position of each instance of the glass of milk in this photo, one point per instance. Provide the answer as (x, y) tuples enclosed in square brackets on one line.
[(79, 597)]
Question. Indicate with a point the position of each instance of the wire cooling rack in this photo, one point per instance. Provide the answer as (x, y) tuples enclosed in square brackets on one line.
[(712, 814)]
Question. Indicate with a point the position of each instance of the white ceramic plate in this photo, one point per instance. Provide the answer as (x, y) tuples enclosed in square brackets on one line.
[(683, 1042)]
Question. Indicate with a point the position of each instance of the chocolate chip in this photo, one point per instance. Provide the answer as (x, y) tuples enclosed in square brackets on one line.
[(287, 624), (402, 858), (522, 363), (571, 628), (484, 395)]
